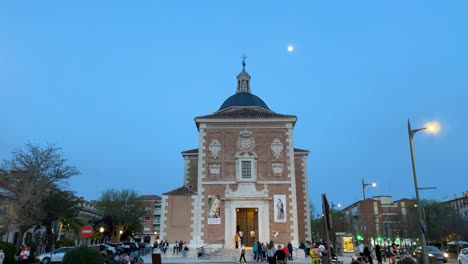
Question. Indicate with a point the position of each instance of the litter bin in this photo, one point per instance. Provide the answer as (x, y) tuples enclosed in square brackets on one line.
[(156, 258)]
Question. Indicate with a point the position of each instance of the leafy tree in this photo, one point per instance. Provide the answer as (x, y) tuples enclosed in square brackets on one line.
[(59, 206), (31, 174), (121, 211)]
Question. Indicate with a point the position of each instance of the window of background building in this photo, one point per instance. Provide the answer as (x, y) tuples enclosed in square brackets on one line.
[(147, 218)]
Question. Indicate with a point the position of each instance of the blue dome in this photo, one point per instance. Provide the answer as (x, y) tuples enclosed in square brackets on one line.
[(243, 99)]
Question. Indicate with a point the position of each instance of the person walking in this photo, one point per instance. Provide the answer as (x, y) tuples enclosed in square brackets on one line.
[(286, 252), (290, 249), (378, 254), (242, 251), (260, 252), (2, 256), (270, 252), (255, 251), (280, 256), (315, 254), (367, 255)]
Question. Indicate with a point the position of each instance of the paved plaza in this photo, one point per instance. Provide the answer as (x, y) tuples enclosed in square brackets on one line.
[(181, 260)]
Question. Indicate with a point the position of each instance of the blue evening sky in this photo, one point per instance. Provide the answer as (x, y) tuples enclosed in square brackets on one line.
[(117, 85)]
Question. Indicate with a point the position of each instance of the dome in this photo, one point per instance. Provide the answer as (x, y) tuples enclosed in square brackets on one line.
[(243, 99)]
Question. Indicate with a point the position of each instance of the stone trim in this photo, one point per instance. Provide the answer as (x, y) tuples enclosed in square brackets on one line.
[(186, 170), (163, 220), (306, 199), (292, 176)]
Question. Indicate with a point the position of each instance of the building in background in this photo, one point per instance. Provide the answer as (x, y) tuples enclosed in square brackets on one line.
[(151, 221), (380, 219)]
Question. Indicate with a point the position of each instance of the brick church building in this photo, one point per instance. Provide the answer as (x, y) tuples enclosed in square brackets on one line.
[(246, 179)]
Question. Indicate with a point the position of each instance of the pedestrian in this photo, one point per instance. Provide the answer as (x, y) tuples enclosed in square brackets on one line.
[(378, 254), (236, 240), (286, 253), (260, 252), (271, 253), (2, 256), (24, 254), (368, 256), (280, 256), (290, 249), (185, 249), (242, 251), (255, 251), (315, 254), (361, 249), (264, 251)]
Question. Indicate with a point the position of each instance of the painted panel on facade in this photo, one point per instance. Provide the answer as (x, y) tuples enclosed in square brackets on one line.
[(279, 208), (214, 213)]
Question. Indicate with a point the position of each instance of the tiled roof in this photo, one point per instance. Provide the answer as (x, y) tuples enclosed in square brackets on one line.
[(190, 151), (184, 190), (150, 197), (245, 112), (300, 150)]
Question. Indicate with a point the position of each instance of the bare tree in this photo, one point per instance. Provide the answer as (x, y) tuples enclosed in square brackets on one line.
[(31, 174)]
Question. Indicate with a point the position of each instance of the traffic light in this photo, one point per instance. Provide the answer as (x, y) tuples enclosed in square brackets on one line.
[(359, 237)]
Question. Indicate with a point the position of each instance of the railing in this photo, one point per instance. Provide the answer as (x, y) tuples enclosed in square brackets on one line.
[(208, 249)]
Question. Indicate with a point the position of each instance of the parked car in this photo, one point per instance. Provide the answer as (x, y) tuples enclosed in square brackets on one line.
[(110, 249), (463, 256), (55, 256), (433, 253)]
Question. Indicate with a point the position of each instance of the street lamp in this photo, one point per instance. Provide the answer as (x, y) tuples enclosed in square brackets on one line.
[(335, 205), (431, 128), (364, 185), (101, 230)]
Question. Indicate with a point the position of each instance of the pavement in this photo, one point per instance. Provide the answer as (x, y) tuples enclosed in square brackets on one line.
[(181, 260)]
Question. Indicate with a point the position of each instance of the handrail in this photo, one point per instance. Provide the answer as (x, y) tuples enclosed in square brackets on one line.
[(216, 242)]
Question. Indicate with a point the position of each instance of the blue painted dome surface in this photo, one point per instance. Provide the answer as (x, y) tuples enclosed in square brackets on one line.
[(243, 99)]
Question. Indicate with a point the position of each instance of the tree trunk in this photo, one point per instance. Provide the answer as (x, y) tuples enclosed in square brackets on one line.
[(50, 237), (19, 240)]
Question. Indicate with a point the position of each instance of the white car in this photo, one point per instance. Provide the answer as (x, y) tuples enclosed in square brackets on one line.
[(110, 249), (463, 256), (56, 256)]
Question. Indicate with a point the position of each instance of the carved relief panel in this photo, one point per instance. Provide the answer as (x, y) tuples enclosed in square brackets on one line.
[(215, 148)]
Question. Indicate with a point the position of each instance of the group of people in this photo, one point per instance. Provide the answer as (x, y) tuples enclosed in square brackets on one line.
[(269, 252), (128, 259), (365, 254), (179, 247)]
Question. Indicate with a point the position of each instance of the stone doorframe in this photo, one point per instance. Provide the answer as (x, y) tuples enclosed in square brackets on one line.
[(230, 215)]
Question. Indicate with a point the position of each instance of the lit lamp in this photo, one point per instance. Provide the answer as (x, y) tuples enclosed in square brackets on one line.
[(431, 128), (101, 230), (364, 185), (252, 233)]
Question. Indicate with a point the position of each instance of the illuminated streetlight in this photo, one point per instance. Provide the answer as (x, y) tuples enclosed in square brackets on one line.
[(101, 230), (364, 185), (335, 205), (431, 128)]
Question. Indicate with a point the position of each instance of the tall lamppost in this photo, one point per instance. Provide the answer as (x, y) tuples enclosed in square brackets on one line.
[(433, 128), (364, 185)]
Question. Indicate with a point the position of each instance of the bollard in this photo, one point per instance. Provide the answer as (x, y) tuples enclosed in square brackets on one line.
[(156, 258)]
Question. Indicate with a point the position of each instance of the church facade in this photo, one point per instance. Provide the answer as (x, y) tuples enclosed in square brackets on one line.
[(245, 182)]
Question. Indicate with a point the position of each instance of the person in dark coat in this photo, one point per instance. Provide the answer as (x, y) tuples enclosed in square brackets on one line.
[(378, 254), (290, 249), (368, 255)]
